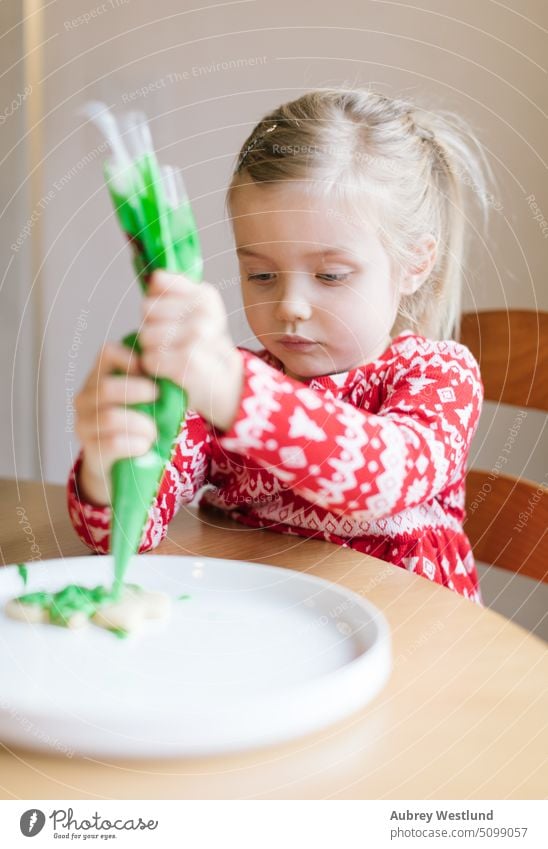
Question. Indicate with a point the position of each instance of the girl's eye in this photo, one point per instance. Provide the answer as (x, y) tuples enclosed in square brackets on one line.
[(262, 277), (330, 278), (334, 278)]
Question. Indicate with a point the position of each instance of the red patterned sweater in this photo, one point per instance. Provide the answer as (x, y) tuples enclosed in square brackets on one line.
[(372, 459)]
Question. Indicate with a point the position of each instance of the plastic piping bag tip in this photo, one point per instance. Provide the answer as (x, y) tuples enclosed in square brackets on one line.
[(92, 108), (100, 114), (136, 133)]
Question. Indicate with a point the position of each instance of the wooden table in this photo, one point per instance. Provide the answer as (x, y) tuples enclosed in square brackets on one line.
[(463, 716)]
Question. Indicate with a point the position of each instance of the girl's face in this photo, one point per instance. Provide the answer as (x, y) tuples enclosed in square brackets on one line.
[(318, 287)]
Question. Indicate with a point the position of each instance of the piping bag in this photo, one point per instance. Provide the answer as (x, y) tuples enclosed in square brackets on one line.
[(154, 212)]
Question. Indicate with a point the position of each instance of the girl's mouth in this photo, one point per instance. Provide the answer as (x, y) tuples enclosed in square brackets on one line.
[(297, 343)]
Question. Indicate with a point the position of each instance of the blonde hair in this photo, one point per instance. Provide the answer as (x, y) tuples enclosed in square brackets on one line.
[(403, 163)]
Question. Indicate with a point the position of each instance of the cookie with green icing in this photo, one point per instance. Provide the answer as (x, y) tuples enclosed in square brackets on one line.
[(74, 606)]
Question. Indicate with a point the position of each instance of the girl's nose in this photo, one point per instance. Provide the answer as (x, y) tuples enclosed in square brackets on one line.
[(293, 306)]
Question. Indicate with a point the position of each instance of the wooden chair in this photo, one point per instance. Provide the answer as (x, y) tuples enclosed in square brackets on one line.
[(507, 517)]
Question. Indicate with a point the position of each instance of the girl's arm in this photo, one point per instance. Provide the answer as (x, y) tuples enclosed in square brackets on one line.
[(353, 462), (183, 476)]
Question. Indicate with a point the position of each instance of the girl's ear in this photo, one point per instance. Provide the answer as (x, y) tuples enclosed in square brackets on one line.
[(426, 251)]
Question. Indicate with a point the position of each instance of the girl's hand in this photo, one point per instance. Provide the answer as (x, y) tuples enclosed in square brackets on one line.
[(105, 428), (184, 336)]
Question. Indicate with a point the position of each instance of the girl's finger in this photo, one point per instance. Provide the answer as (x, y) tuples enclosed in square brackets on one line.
[(116, 446), (162, 334), (116, 420), (162, 281), (119, 389), (174, 334), (156, 309), (114, 355), (187, 295)]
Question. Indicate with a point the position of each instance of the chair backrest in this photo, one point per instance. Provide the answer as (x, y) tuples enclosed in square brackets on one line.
[(507, 517)]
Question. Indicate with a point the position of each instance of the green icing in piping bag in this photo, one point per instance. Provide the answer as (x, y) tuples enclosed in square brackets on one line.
[(154, 212)]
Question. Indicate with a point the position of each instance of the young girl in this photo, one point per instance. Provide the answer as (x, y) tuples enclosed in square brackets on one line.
[(353, 421)]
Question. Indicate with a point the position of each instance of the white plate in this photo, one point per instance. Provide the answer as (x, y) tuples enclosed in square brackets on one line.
[(256, 656)]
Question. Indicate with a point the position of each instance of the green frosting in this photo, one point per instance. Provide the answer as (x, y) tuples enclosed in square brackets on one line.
[(74, 599), (68, 601), (118, 632)]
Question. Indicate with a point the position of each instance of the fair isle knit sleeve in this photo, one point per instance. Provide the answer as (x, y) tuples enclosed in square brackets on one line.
[(183, 476), (354, 462)]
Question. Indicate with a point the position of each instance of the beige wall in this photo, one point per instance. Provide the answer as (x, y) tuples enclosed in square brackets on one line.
[(18, 328), (482, 59)]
